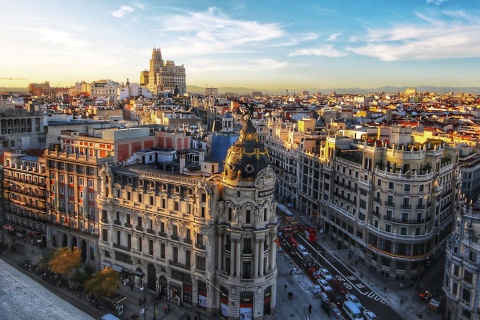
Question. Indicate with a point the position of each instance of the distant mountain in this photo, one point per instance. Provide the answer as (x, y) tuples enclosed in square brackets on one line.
[(355, 90)]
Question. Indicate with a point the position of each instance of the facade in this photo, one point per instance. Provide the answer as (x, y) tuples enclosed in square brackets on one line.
[(105, 89), (24, 186), (199, 236), (164, 75), (462, 267), (389, 204)]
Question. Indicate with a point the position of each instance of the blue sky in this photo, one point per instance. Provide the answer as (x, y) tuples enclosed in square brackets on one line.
[(269, 45)]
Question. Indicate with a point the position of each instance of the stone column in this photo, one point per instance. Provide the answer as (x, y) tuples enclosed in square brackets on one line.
[(238, 272), (232, 256), (273, 250), (220, 251), (261, 257), (256, 256), (271, 253)]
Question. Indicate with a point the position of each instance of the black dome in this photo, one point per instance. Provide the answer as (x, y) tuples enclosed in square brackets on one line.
[(247, 157)]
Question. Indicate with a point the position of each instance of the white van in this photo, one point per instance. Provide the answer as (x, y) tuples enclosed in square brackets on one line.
[(352, 311)]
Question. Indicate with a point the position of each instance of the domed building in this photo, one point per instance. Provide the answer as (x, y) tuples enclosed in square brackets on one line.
[(247, 230), (206, 238)]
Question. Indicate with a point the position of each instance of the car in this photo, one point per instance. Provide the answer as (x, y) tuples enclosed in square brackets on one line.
[(356, 302), (325, 274), (335, 313), (292, 242), (312, 272), (324, 285), (338, 286), (369, 315)]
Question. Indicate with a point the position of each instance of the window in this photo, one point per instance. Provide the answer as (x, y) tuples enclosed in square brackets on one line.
[(174, 230), (390, 199), (150, 247), (200, 265), (90, 183), (128, 218), (187, 234), (70, 179), (389, 214), (388, 227), (105, 235), (188, 255), (363, 204), (406, 187), (139, 222), (247, 216), (247, 245), (139, 244), (403, 231), (80, 181), (391, 185), (247, 269), (162, 250), (456, 270), (175, 254), (467, 276), (420, 188), (199, 238), (466, 296)]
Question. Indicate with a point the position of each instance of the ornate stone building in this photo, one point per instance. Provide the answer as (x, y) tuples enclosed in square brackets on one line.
[(462, 266), (163, 75), (200, 236)]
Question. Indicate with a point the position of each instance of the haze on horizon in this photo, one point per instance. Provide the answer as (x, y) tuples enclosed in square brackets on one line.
[(255, 44)]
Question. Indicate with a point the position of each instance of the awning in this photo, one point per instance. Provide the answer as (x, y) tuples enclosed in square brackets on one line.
[(106, 264), (138, 273), (9, 227), (116, 267)]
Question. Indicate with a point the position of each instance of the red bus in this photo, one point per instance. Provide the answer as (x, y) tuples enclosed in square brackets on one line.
[(287, 232), (310, 234)]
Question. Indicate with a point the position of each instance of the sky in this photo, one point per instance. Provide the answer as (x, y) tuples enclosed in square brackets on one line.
[(269, 45)]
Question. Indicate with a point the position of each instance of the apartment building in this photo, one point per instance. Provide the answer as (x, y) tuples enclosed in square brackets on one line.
[(387, 202), (177, 226), (24, 187), (462, 267), (72, 168)]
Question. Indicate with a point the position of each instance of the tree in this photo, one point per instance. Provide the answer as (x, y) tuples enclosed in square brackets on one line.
[(104, 283), (65, 260), (44, 261), (81, 275)]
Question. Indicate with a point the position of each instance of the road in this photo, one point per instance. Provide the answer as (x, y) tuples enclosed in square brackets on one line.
[(370, 300)]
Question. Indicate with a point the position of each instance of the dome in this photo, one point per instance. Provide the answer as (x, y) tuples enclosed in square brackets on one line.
[(246, 158)]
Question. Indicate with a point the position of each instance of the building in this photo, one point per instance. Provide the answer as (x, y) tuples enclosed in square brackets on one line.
[(462, 267), (24, 188), (390, 203), (175, 225), (104, 89), (164, 75)]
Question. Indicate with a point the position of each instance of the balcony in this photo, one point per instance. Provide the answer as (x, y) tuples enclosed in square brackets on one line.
[(179, 265), (151, 231), (187, 241), (103, 220), (127, 225), (119, 246), (420, 206), (139, 228), (406, 206), (389, 204), (247, 250), (117, 222), (409, 221), (162, 234), (175, 237), (200, 246)]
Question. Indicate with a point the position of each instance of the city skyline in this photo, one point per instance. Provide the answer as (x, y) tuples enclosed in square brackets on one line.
[(299, 44)]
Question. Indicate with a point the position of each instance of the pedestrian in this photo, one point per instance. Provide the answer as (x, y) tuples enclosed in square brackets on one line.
[(291, 271), (165, 309), (310, 309), (428, 312), (168, 307), (131, 285), (178, 301), (291, 295), (140, 301), (285, 286), (401, 301), (385, 289)]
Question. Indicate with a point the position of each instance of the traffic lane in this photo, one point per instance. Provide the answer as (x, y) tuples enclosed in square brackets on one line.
[(369, 299)]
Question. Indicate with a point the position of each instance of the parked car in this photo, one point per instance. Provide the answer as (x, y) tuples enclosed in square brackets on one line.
[(369, 315), (292, 242), (335, 313), (312, 272), (324, 285), (325, 274), (356, 302)]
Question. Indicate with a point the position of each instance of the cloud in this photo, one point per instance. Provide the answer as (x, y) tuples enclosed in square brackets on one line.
[(326, 50), (436, 2), (213, 31), (250, 65), (333, 36), (436, 40), (122, 11), (139, 5)]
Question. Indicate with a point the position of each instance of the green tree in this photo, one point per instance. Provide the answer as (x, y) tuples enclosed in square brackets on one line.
[(44, 261), (65, 260), (104, 284), (81, 275)]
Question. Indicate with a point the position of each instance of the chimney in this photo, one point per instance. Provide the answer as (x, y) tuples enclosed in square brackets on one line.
[(182, 163)]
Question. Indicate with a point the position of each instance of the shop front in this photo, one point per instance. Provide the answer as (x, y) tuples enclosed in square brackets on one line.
[(187, 293), (246, 305), (224, 302), (175, 291), (202, 294)]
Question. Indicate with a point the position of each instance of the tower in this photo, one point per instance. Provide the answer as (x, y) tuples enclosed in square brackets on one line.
[(247, 229), (156, 63)]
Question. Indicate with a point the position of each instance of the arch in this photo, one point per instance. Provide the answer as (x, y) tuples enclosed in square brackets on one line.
[(74, 243), (151, 277), (64, 240), (83, 246), (162, 282)]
